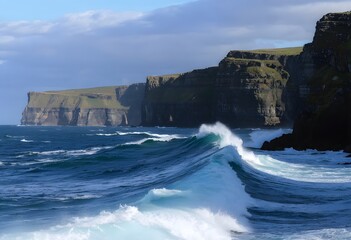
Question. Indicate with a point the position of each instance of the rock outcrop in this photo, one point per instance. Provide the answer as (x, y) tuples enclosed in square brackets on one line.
[(249, 87), (107, 106), (245, 90), (325, 122), (182, 100)]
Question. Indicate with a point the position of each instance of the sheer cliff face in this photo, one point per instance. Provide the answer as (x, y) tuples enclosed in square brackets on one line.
[(245, 90), (325, 122), (183, 100), (108, 106), (249, 90)]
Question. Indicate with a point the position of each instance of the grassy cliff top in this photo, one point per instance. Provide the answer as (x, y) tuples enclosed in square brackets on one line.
[(111, 91), (247, 61), (277, 51), (102, 97)]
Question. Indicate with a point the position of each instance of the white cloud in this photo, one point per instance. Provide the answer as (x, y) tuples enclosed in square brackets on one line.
[(91, 20), (6, 40), (24, 28)]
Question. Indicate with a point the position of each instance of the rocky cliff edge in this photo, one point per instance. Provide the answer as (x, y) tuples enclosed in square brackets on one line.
[(325, 122), (106, 106)]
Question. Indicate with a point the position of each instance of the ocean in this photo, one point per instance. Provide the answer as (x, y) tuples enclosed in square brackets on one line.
[(80, 183)]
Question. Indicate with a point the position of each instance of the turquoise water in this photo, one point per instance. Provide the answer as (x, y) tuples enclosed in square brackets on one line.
[(167, 183)]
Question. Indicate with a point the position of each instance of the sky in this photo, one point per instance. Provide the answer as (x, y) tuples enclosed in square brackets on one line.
[(65, 44)]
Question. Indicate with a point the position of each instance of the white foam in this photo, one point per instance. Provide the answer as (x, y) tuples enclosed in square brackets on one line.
[(55, 152), (329, 233), (160, 138), (163, 193), (118, 133), (77, 197), (106, 134), (39, 161), (78, 152), (258, 137), (154, 135), (10, 136), (130, 222), (227, 138), (267, 164), (303, 172), (26, 141), (82, 152)]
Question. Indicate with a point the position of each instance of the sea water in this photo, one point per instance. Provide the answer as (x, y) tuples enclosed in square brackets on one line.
[(80, 183)]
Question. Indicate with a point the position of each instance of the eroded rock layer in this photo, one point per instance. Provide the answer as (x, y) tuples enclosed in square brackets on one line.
[(107, 106), (325, 122)]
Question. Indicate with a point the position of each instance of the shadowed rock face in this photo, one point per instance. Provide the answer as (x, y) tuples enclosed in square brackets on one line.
[(325, 123), (182, 100), (108, 106), (249, 91), (245, 90)]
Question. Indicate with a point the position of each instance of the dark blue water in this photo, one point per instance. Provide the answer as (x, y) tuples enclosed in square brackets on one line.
[(167, 183)]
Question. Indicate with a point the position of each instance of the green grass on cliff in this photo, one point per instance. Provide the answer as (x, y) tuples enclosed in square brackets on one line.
[(258, 67), (265, 71), (103, 97), (279, 51), (246, 61), (76, 92)]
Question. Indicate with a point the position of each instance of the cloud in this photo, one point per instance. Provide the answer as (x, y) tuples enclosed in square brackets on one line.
[(97, 48), (92, 20)]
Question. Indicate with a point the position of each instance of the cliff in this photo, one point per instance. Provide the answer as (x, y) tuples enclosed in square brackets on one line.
[(249, 87), (244, 90), (106, 106), (182, 100), (257, 88), (325, 123)]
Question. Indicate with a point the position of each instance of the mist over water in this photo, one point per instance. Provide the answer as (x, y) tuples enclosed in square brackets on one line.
[(167, 183)]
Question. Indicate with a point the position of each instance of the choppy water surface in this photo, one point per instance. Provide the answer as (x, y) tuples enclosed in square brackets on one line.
[(167, 183)]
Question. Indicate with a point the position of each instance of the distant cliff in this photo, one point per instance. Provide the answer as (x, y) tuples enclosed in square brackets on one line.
[(245, 90), (325, 121), (106, 106)]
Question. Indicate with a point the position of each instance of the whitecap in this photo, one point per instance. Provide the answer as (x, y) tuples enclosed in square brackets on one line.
[(10, 136), (227, 138), (55, 152), (78, 152), (258, 137), (107, 134), (128, 222), (89, 151), (76, 197), (26, 141), (274, 167)]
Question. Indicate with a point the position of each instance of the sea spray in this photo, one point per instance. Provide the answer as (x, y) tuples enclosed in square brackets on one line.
[(274, 167), (227, 138), (258, 137)]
